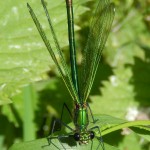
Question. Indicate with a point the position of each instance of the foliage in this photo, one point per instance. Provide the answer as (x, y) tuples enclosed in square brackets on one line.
[(31, 91)]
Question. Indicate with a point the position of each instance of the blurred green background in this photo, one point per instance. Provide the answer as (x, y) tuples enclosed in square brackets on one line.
[(31, 90)]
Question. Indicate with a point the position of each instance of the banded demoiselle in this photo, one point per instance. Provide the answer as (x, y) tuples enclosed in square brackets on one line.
[(80, 89)]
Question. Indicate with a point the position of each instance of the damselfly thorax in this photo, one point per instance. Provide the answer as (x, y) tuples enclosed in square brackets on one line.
[(81, 121)]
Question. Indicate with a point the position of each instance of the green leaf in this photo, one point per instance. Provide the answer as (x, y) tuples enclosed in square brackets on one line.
[(130, 142), (127, 124), (24, 57), (142, 131), (110, 124), (41, 144), (107, 125), (117, 94)]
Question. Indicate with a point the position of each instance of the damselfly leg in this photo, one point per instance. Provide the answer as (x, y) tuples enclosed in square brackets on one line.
[(93, 119), (99, 137), (60, 121), (59, 137)]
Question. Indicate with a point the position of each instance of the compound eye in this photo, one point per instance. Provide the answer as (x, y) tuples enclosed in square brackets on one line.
[(92, 135), (76, 136)]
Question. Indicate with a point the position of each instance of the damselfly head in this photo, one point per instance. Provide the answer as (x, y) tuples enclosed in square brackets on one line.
[(84, 137)]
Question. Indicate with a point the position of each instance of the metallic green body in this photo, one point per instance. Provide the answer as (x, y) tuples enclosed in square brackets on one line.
[(81, 120), (72, 49)]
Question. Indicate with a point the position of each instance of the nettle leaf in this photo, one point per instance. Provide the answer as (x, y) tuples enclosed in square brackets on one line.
[(126, 33), (107, 125), (130, 142), (140, 79), (107, 121), (110, 124), (68, 143), (24, 57), (131, 124), (142, 131), (124, 87), (116, 94)]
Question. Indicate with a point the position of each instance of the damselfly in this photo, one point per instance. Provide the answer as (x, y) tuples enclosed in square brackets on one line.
[(80, 89)]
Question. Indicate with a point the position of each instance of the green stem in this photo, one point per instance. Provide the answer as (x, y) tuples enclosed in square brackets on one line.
[(28, 116), (126, 125)]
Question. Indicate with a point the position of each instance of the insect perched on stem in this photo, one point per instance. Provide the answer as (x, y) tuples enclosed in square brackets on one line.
[(79, 90)]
